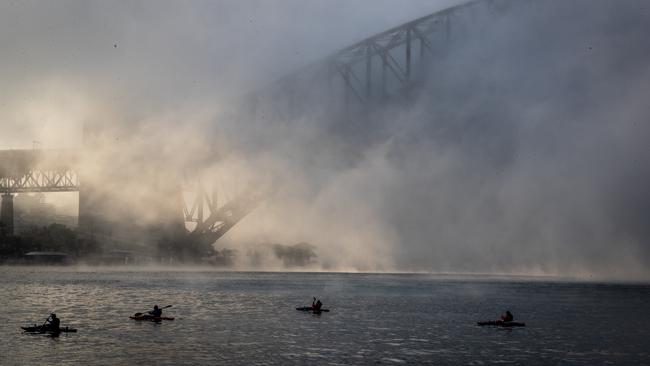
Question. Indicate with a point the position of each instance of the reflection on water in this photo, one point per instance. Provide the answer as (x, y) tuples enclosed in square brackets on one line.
[(250, 318)]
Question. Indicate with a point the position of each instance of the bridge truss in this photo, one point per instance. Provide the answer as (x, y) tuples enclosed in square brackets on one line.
[(37, 180), (390, 62), (209, 219), (387, 64)]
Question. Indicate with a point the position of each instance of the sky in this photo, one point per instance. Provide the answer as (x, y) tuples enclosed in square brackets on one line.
[(521, 153)]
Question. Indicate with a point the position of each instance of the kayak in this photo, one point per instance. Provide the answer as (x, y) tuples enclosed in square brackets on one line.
[(150, 317), (501, 323), (309, 308), (42, 329)]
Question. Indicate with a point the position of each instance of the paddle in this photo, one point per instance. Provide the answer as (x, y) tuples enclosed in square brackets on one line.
[(164, 307), (45, 322)]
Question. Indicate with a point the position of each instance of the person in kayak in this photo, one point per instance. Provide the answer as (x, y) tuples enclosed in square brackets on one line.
[(53, 323), (507, 316), (316, 305), (157, 312)]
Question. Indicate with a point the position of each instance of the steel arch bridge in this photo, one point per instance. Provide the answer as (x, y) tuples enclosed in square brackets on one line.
[(356, 79), (389, 63)]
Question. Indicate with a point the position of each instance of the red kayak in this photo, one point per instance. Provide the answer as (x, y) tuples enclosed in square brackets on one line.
[(150, 317)]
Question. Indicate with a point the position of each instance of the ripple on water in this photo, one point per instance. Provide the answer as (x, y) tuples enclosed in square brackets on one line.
[(250, 318)]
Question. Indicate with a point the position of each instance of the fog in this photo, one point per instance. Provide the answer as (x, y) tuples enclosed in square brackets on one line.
[(521, 152)]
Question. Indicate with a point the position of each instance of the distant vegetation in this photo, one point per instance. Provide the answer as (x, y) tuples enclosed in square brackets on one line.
[(298, 255)]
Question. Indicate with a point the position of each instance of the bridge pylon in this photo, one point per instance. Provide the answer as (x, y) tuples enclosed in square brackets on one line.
[(7, 214)]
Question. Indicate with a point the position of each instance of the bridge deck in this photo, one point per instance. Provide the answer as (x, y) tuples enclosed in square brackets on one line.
[(42, 170)]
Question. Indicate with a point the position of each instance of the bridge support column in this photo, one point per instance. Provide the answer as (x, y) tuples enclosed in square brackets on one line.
[(7, 213)]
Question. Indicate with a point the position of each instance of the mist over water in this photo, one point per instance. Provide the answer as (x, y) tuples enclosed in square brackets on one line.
[(520, 151)]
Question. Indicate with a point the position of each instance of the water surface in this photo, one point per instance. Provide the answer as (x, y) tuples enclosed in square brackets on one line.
[(250, 319)]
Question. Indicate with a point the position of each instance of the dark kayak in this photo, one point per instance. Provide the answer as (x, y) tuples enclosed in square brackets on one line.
[(309, 308), (150, 317), (42, 329), (501, 323)]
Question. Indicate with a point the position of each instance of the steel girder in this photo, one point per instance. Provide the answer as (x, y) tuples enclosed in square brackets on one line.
[(367, 68), (378, 67), (393, 49), (213, 219), (223, 218), (383, 48), (36, 180), (39, 170)]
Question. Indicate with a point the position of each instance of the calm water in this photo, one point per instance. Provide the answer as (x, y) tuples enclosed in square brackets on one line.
[(249, 319)]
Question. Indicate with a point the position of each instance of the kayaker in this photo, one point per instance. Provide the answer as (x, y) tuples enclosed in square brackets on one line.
[(157, 312), (507, 316), (53, 323), (316, 306)]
